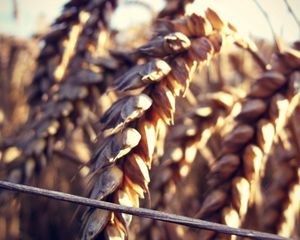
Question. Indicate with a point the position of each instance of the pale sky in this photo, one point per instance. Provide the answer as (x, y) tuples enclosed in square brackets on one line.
[(245, 15), (242, 13), (29, 12)]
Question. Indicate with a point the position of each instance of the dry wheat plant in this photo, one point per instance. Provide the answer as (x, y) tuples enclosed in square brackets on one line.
[(181, 115)]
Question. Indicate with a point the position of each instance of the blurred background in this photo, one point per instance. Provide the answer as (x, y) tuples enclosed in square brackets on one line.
[(23, 18)]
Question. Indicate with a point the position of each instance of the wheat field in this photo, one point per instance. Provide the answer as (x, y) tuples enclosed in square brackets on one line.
[(182, 115)]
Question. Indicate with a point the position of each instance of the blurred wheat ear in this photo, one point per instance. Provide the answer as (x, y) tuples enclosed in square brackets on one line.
[(58, 97), (264, 113)]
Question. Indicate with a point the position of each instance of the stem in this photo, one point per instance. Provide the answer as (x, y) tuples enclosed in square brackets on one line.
[(292, 13), (264, 13)]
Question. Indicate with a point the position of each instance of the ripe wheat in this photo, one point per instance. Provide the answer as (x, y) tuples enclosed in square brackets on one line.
[(65, 42), (242, 139), (130, 131), (81, 77), (264, 113)]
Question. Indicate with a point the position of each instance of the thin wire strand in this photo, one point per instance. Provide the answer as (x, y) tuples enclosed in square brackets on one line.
[(142, 212)]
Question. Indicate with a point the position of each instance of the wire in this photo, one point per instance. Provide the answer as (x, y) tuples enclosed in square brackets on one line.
[(142, 212)]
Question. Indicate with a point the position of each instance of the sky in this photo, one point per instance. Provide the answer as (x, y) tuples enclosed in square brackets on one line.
[(244, 14), (29, 12), (249, 20)]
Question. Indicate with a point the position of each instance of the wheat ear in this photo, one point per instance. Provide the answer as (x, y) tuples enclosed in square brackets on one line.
[(46, 126), (263, 115), (132, 124), (55, 56)]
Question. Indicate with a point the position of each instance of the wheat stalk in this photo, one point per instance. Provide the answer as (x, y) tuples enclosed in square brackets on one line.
[(264, 113), (131, 130)]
